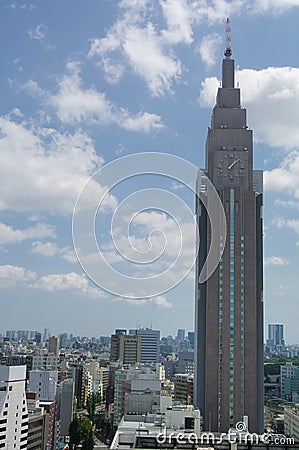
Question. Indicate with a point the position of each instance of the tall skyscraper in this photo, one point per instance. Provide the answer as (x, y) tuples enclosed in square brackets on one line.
[(275, 336), (229, 305)]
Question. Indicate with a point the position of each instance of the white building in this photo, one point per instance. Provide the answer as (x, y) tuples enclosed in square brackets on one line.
[(13, 408), (148, 431), (44, 382), (291, 422), (46, 362)]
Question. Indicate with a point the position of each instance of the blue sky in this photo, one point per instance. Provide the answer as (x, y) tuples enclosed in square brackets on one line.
[(85, 83)]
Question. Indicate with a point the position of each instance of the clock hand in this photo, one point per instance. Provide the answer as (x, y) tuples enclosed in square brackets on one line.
[(233, 163)]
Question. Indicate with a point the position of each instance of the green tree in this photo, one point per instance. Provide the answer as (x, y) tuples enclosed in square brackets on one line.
[(86, 429), (88, 443), (91, 406), (74, 433), (103, 425), (81, 432)]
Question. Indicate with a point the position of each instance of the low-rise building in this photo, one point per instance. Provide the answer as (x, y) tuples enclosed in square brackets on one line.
[(37, 429), (155, 430), (291, 422), (183, 388)]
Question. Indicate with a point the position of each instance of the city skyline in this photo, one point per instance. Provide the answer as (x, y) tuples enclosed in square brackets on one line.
[(66, 107)]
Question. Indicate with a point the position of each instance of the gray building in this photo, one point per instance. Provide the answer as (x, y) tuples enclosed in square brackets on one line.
[(65, 402), (229, 305), (275, 336), (185, 362)]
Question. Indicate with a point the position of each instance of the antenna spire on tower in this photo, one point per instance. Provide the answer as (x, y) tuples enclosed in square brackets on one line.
[(228, 50)]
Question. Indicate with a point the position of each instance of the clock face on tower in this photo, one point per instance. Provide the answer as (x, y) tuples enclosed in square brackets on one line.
[(231, 165)]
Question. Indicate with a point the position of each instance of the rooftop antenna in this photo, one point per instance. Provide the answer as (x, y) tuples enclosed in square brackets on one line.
[(228, 50)]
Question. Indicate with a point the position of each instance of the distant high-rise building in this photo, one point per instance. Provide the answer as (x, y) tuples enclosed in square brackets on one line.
[(180, 334), (46, 334), (191, 339), (229, 372), (13, 408), (150, 344), (275, 336), (63, 340), (38, 338), (53, 345), (125, 348)]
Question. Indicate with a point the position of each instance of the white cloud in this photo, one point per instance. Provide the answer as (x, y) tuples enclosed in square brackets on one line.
[(287, 203), (72, 282), (292, 224), (12, 275), (74, 103), (178, 18), (276, 261), (272, 98), (208, 48), (148, 59), (21, 6), (161, 301), (44, 170), (285, 178), (141, 122), (50, 249), (139, 45), (273, 6), (9, 235), (144, 36), (113, 70), (37, 33)]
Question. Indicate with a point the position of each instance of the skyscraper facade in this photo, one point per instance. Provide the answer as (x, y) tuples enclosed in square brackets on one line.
[(275, 336), (229, 305)]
